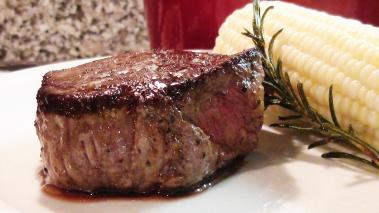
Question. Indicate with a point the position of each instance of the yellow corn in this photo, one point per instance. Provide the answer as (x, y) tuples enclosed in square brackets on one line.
[(320, 50)]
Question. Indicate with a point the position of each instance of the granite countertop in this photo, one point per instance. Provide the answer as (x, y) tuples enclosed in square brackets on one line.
[(43, 31)]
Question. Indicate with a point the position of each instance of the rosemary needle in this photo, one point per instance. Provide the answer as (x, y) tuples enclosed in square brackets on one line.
[(279, 91)]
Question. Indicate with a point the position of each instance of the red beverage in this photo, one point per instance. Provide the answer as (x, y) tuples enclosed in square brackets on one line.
[(187, 24), (364, 10), (194, 24)]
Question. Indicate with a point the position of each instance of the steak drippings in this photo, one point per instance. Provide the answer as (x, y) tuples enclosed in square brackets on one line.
[(105, 194)]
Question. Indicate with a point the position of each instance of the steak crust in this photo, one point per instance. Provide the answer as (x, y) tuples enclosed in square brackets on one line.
[(148, 121)]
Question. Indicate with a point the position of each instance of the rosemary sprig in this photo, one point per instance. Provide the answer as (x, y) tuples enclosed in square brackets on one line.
[(279, 91)]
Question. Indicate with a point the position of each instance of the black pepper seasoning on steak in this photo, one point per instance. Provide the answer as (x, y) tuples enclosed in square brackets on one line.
[(148, 121)]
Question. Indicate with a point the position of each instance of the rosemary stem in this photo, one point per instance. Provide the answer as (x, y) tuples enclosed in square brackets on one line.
[(279, 91)]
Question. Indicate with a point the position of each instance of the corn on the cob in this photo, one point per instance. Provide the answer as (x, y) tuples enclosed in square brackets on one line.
[(320, 50)]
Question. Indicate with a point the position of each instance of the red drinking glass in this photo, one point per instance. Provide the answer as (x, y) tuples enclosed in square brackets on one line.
[(363, 10), (194, 24), (187, 24)]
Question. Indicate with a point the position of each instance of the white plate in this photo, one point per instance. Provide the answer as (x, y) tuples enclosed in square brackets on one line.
[(281, 176)]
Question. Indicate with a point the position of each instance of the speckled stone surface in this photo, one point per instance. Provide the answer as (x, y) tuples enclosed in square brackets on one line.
[(42, 31)]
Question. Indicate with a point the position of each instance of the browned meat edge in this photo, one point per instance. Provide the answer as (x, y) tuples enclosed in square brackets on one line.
[(72, 105)]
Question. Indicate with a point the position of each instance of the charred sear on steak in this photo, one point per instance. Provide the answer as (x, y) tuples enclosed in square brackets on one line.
[(148, 121)]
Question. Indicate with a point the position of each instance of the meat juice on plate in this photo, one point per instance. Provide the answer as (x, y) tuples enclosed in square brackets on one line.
[(78, 196)]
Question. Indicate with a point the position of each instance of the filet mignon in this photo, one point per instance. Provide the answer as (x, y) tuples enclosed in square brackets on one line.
[(148, 121)]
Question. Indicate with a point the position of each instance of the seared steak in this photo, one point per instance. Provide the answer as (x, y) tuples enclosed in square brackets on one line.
[(148, 121)]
